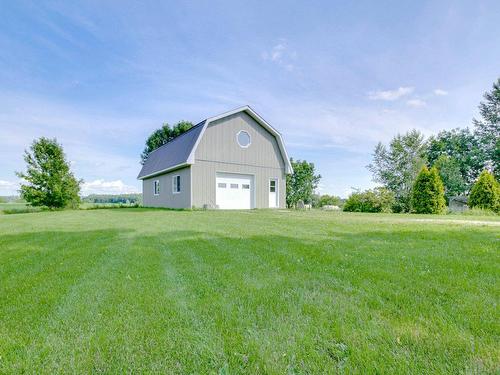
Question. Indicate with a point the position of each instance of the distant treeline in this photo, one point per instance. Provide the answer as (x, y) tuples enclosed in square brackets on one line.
[(113, 198), (11, 199)]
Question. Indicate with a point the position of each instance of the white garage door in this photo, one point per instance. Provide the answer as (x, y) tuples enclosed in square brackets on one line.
[(234, 191)]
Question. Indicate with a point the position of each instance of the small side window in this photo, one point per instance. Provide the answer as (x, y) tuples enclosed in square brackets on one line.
[(176, 184), (156, 189), (272, 186)]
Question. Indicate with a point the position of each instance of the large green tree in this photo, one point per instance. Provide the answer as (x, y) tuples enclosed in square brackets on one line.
[(163, 135), (449, 171), (397, 165), (487, 128), (301, 183), (48, 179), (428, 193), (485, 193), (464, 148)]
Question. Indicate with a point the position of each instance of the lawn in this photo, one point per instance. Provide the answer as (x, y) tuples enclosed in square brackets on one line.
[(143, 290)]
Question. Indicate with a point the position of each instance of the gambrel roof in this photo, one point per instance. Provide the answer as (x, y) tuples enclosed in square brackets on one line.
[(180, 151)]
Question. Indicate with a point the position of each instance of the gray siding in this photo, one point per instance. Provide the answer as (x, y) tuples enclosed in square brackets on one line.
[(218, 151), (167, 198)]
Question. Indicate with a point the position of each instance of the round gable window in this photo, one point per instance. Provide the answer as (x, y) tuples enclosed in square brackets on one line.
[(243, 139)]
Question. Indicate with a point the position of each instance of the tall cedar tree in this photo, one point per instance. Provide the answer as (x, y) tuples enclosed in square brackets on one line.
[(428, 193), (485, 193), (49, 181), (488, 127), (397, 166), (163, 135), (301, 184)]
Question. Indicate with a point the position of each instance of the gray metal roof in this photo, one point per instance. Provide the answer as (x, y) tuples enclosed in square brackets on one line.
[(171, 154)]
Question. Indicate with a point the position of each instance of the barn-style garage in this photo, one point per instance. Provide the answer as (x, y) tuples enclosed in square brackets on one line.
[(232, 161)]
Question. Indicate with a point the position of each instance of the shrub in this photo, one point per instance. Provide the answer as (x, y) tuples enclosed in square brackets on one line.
[(485, 193), (428, 193), (104, 206), (376, 200), (23, 210), (329, 200)]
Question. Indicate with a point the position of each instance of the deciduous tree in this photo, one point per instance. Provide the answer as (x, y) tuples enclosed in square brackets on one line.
[(449, 171), (48, 179), (463, 147), (397, 165), (301, 183), (163, 135), (487, 128)]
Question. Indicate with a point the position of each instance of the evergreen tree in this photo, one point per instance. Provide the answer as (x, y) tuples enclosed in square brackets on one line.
[(485, 193), (428, 193), (49, 181), (487, 129)]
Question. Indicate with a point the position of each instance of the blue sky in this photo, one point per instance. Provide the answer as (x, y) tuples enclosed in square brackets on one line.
[(333, 77)]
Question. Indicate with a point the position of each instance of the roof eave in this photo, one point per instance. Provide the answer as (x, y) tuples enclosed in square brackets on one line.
[(169, 169)]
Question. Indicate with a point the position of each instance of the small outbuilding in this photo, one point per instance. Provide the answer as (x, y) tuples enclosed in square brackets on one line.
[(235, 160), (458, 203)]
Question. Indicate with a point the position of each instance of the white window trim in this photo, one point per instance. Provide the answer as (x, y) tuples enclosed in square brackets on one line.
[(238, 141), (156, 183), (174, 178)]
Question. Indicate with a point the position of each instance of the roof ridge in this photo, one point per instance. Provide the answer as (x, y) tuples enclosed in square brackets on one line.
[(180, 135)]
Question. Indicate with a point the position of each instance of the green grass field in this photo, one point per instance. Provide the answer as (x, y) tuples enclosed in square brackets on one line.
[(142, 290)]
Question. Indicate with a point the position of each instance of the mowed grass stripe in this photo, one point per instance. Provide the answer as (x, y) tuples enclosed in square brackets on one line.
[(32, 287), (249, 292)]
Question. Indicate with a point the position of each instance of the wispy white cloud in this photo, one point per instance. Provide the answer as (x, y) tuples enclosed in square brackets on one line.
[(440, 92), (390, 95), (108, 187), (416, 103), (281, 55)]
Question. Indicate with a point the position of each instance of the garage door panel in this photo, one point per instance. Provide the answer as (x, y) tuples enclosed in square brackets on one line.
[(234, 191)]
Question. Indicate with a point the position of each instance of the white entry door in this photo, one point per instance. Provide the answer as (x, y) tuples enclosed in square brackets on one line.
[(234, 191), (273, 193)]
